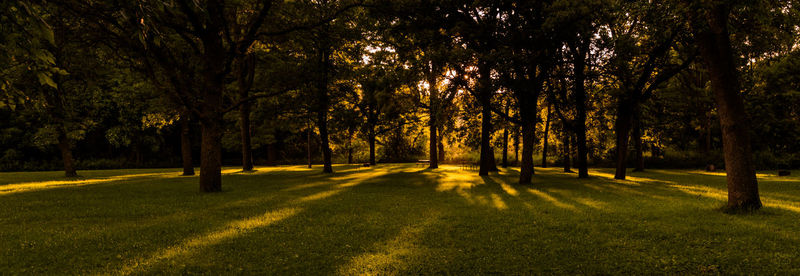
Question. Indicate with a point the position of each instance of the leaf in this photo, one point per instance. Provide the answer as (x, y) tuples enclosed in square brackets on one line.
[(47, 32), (60, 71), (46, 79)]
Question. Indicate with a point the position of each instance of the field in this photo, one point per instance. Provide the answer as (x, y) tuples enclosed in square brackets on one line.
[(392, 219)]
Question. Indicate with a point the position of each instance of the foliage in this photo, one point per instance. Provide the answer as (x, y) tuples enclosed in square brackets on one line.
[(116, 92)]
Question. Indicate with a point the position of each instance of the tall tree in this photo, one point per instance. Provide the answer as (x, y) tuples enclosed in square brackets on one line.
[(642, 36), (579, 26), (246, 74), (478, 25), (30, 43), (579, 50), (422, 39), (322, 97), (710, 28), (382, 101), (213, 33), (531, 47), (505, 138)]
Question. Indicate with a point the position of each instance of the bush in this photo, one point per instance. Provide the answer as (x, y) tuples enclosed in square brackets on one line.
[(769, 160), (677, 159), (99, 164)]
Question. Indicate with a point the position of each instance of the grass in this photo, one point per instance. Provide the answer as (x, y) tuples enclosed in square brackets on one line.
[(392, 219)]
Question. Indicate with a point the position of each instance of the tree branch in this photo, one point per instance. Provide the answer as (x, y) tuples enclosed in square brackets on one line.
[(660, 78), (316, 24), (254, 97)]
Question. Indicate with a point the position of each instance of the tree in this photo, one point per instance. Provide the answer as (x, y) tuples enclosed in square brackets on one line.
[(478, 25), (774, 103), (710, 28), (579, 50), (28, 42), (578, 53), (423, 40), (245, 75), (530, 50), (328, 40), (211, 33), (641, 35), (167, 30), (385, 97)]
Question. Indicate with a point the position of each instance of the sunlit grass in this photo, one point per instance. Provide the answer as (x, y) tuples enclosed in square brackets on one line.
[(27, 186), (392, 219), (552, 200), (233, 229)]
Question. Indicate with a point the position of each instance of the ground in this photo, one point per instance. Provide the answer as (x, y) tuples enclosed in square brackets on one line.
[(392, 219)]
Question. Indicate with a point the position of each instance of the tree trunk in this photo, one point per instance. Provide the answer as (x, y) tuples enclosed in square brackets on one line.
[(137, 153), (441, 144), (433, 154), (622, 127), (308, 144), (516, 145), (322, 110), (322, 117), (528, 116), (434, 114), (211, 153), (65, 146), (709, 124), (272, 154), (567, 151), (637, 145), (716, 50), (579, 65), (505, 142), (247, 151), (245, 81), (371, 138), (57, 111), (505, 148), (211, 125), (213, 89), (583, 151), (186, 145), (574, 144), (528, 132), (487, 162), (546, 133), (350, 149)]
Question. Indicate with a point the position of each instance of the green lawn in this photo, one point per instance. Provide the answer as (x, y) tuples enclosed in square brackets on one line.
[(392, 219)]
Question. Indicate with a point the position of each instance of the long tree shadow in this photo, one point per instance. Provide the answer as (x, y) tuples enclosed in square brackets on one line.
[(184, 214), (290, 207), (391, 219), (617, 218), (367, 222), (623, 220)]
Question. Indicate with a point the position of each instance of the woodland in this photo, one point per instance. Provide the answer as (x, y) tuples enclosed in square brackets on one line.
[(111, 84), (151, 84), (501, 104)]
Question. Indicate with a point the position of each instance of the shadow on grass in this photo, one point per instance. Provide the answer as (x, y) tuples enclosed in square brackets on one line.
[(334, 184), (381, 220)]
